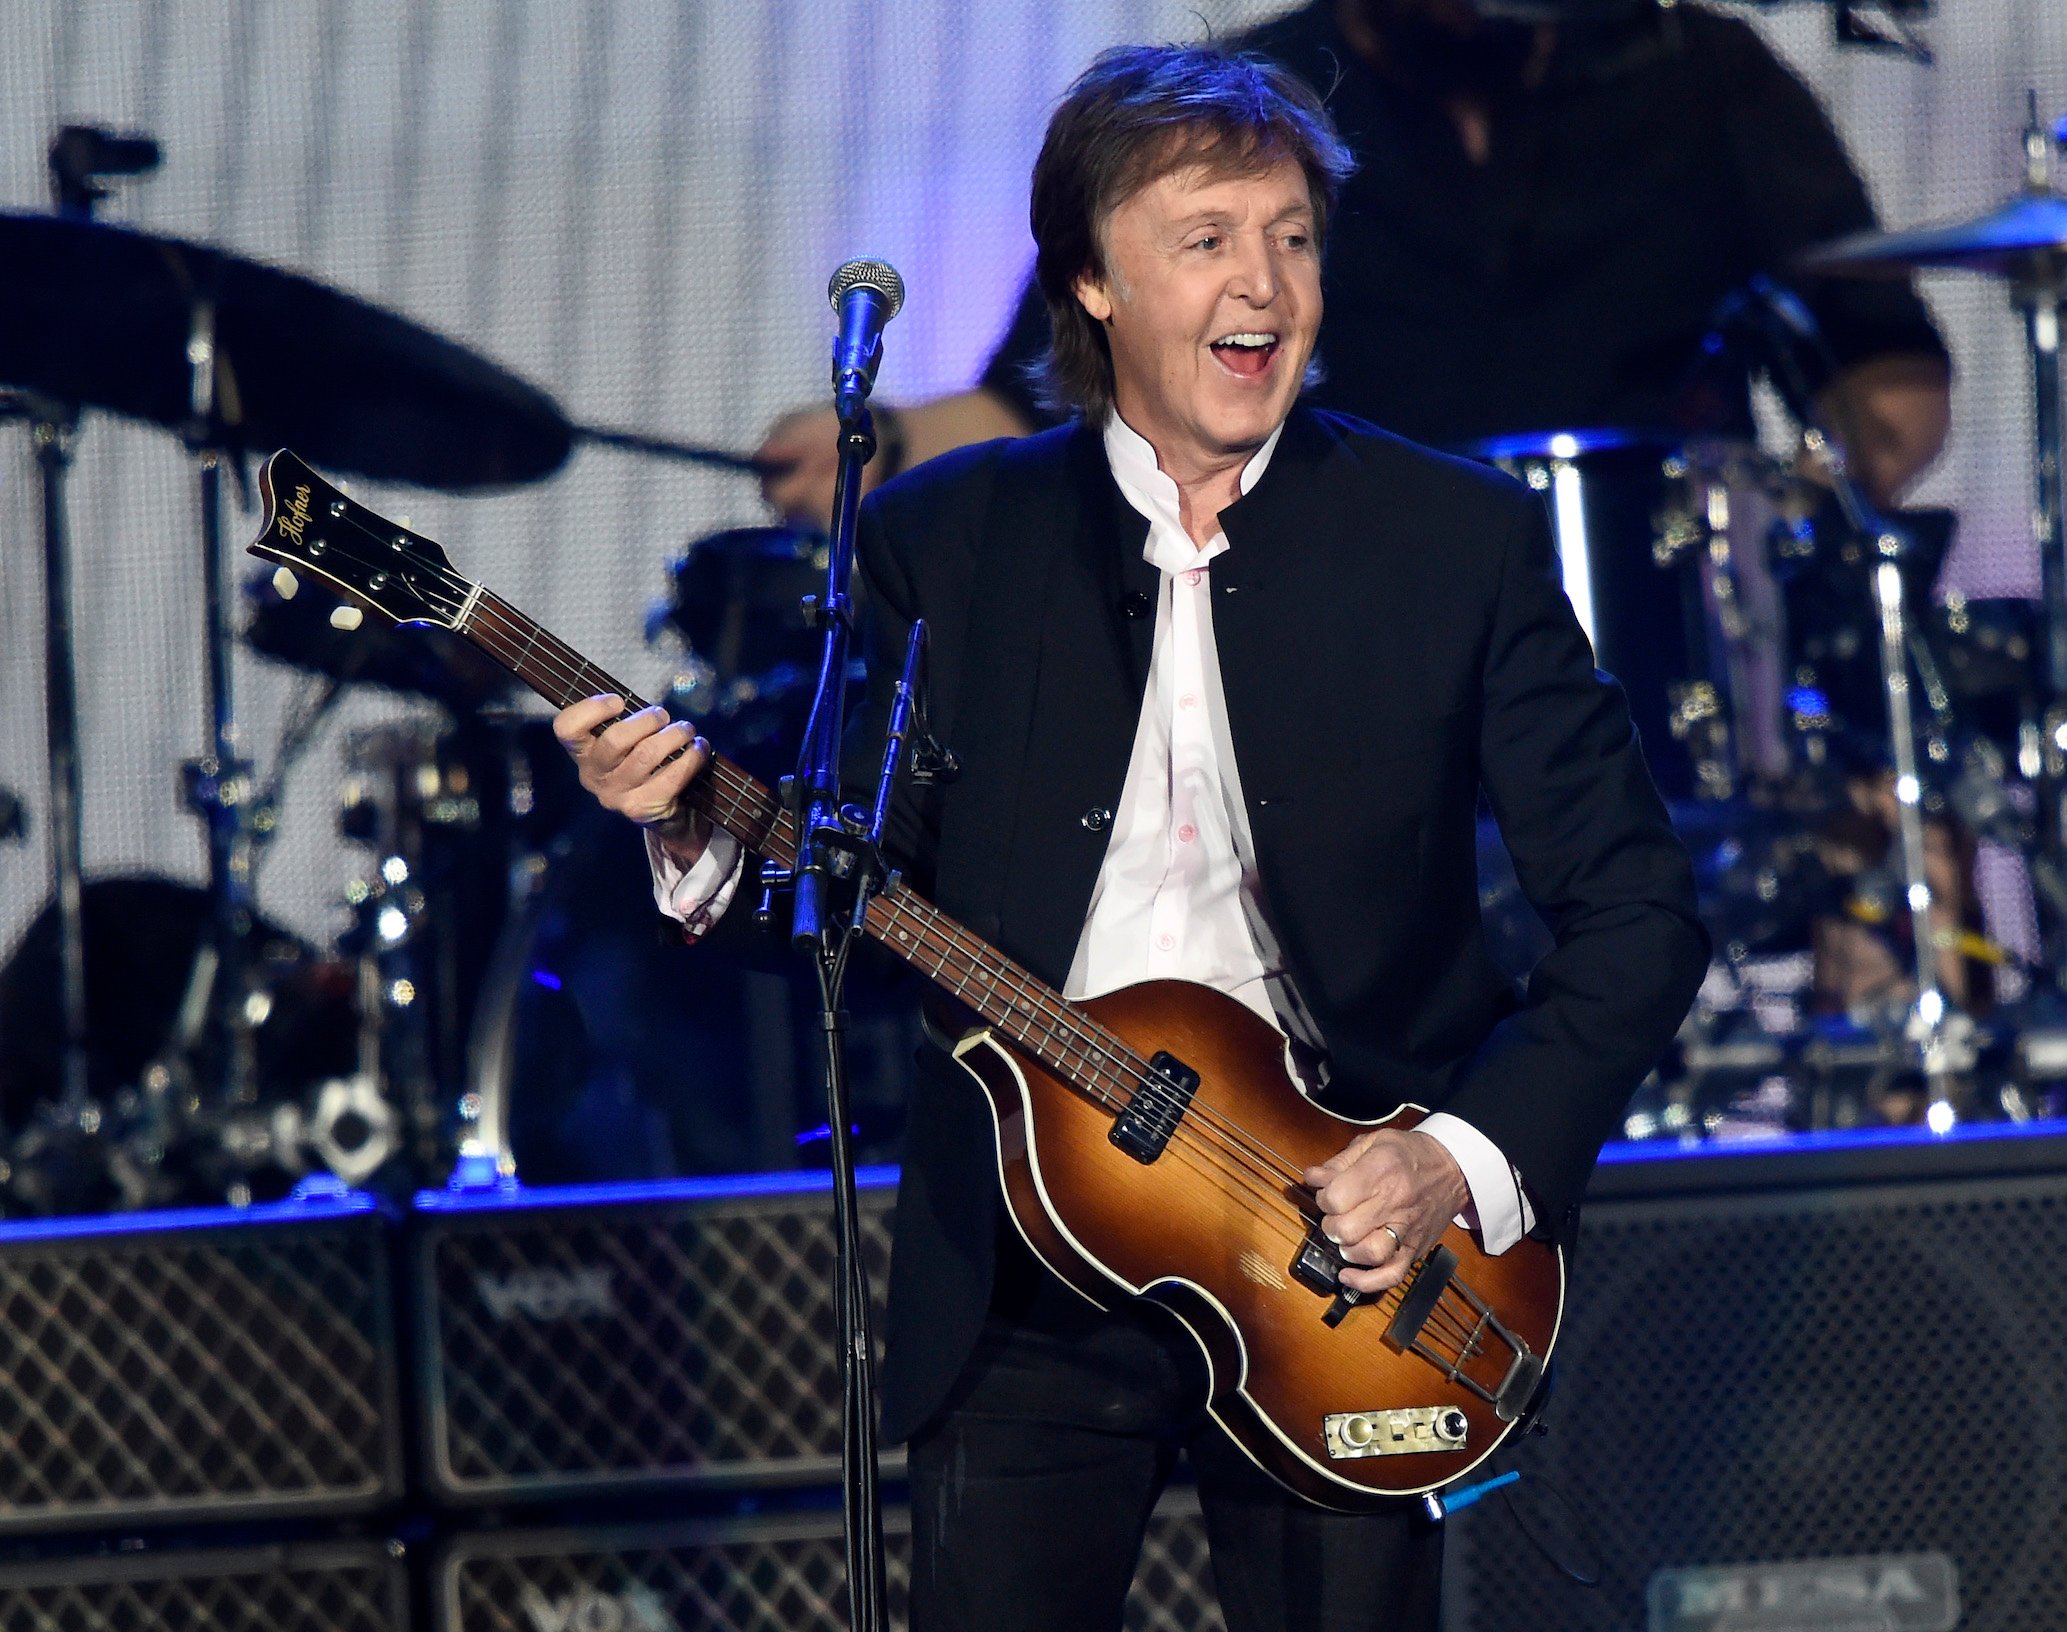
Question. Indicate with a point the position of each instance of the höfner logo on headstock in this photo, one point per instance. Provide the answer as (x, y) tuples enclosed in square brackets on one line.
[(294, 515), (1883, 1592)]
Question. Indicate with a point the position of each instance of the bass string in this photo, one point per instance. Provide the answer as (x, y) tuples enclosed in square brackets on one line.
[(571, 676), (934, 926), (1267, 1162), (1151, 1089), (576, 676), (1276, 1199), (1132, 1073)]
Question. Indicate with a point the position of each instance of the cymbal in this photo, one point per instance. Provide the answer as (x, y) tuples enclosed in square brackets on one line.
[(2005, 243), (98, 315)]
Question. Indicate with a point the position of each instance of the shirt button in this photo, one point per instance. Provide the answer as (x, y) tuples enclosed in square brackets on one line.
[(1188, 700), (1194, 575), (1187, 833), (1166, 942), (1097, 819)]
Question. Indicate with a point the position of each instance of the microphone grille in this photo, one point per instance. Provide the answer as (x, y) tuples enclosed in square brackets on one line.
[(880, 276)]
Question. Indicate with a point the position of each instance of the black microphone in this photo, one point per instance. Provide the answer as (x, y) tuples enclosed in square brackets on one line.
[(866, 294)]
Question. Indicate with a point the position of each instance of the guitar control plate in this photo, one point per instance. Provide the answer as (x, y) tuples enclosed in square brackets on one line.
[(1410, 1429)]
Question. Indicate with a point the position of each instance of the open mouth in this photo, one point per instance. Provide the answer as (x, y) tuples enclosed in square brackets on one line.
[(1246, 354)]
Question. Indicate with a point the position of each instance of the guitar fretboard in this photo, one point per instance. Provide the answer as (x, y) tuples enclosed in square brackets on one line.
[(1004, 996)]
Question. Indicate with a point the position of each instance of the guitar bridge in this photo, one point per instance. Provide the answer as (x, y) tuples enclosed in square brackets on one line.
[(1155, 1108), (1473, 1329)]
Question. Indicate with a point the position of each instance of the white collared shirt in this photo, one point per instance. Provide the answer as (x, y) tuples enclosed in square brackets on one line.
[(1177, 896)]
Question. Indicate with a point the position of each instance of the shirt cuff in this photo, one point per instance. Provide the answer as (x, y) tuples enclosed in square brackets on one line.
[(1500, 1209), (696, 896)]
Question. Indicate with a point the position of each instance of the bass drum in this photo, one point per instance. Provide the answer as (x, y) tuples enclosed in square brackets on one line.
[(1668, 550), (605, 1048)]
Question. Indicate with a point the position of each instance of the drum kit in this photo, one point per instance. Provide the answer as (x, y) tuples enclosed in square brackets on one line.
[(1838, 746), (1841, 747), (260, 1061)]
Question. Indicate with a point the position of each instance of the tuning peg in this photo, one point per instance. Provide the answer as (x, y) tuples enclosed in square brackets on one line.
[(347, 617), (285, 584)]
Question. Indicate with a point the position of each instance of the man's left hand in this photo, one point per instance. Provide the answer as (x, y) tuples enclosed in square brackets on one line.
[(1385, 1200)]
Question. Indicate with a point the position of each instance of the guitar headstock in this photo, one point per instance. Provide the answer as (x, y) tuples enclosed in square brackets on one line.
[(312, 528)]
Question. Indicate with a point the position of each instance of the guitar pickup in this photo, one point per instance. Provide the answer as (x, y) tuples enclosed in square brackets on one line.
[(1155, 1108)]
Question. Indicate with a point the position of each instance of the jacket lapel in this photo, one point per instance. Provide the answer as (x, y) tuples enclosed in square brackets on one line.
[(1281, 547), (1051, 693), (1093, 667)]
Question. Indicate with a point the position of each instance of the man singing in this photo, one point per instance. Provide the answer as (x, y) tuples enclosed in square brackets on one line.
[(1227, 677)]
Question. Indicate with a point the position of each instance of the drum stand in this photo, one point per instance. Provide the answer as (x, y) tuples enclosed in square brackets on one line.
[(52, 427), (1941, 1035), (219, 785), (2038, 290)]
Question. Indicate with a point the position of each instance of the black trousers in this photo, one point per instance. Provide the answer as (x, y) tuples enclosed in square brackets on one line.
[(1032, 1489)]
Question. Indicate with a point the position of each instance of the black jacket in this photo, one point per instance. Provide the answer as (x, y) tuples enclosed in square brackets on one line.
[(1393, 638)]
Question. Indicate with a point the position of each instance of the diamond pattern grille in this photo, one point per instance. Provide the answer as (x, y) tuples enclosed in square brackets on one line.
[(172, 1374), (765, 1576), (1815, 1374), (666, 1342), (360, 1591)]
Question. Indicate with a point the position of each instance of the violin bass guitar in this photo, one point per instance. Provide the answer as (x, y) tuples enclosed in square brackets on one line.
[(1150, 1142)]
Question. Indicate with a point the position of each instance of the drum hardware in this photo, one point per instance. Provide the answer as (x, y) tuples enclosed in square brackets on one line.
[(77, 158), (52, 428), (410, 796), (1630, 517), (745, 648), (2023, 242), (1699, 722), (218, 349), (691, 453), (151, 1134), (1796, 354), (485, 1158)]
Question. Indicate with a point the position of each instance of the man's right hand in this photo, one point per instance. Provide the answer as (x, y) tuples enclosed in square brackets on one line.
[(630, 769)]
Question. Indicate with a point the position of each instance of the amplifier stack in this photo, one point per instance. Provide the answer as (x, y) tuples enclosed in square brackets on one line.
[(1804, 1384), (596, 1409)]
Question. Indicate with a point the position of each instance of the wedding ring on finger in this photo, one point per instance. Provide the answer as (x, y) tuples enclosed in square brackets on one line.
[(1398, 1241)]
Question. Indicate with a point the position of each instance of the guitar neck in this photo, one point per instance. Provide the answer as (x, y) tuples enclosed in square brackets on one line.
[(1005, 997)]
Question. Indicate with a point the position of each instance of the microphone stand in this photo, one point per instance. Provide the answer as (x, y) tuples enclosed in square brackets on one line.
[(837, 849)]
